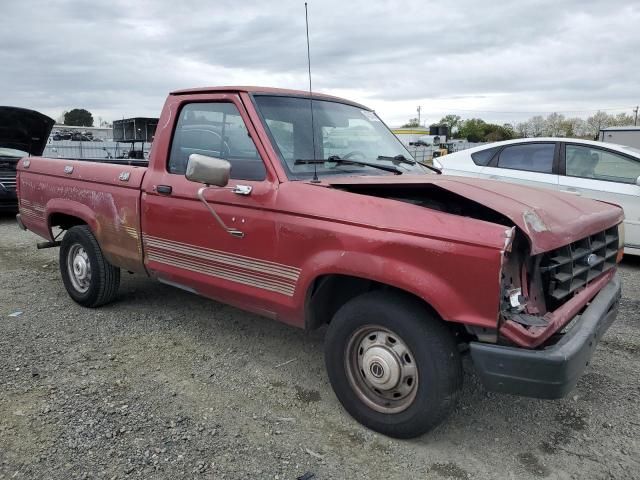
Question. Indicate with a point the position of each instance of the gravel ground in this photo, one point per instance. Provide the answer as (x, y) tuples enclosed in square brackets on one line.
[(164, 384)]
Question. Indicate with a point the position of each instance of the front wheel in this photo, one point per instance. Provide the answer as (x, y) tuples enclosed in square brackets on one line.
[(394, 366), (88, 277)]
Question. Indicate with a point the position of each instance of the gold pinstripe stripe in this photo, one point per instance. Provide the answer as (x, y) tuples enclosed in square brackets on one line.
[(264, 266), (31, 213), (35, 206), (232, 269), (131, 231), (222, 273), (263, 274), (119, 228), (32, 216)]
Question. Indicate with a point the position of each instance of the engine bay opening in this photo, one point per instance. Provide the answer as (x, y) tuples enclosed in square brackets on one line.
[(433, 197)]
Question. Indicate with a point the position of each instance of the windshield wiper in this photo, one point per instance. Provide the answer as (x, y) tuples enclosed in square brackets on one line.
[(397, 159), (403, 159), (431, 167), (344, 161)]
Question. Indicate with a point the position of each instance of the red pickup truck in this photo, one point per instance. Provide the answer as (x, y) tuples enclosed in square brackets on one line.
[(308, 210)]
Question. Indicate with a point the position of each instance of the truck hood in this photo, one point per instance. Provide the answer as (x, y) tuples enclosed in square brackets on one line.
[(25, 130), (549, 219)]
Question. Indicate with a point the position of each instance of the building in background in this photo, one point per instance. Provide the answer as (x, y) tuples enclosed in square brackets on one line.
[(137, 129), (629, 136), (409, 135)]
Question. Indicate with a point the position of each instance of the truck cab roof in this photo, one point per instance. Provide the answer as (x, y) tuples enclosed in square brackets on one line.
[(266, 91)]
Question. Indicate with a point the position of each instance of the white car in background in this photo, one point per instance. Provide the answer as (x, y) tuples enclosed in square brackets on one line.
[(602, 171)]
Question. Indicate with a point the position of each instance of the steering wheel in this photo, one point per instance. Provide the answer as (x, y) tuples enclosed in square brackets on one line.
[(354, 153)]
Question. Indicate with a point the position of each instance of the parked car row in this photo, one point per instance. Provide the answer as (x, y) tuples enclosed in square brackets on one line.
[(597, 170), (85, 136)]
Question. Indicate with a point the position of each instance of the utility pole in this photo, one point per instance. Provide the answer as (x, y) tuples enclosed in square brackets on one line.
[(420, 108), (635, 110)]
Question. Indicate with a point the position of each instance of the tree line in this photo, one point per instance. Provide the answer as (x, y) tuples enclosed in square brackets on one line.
[(553, 125)]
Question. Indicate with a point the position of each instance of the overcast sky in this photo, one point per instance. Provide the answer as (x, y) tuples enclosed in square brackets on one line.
[(501, 61)]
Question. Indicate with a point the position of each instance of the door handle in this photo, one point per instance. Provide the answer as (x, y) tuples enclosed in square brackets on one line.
[(242, 189), (494, 177), (164, 189), (572, 191)]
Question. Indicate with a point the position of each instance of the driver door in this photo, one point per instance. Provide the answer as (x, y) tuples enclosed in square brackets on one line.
[(184, 245)]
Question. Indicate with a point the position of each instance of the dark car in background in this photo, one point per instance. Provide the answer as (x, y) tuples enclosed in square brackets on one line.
[(23, 133)]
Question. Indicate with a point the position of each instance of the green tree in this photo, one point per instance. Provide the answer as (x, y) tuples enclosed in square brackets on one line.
[(473, 130), (554, 125), (574, 127), (597, 121), (497, 133), (452, 121), (78, 117), (622, 120), (413, 123), (536, 126), (522, 129)]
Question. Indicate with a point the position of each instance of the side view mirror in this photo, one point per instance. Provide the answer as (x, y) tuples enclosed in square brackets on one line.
[(208, 170), (638, 181), (212, 171)]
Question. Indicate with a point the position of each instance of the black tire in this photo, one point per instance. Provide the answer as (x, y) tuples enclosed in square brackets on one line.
[(433, 349), (102, 285)]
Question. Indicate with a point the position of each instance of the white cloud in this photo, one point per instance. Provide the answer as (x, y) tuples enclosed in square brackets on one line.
[(120, 58)]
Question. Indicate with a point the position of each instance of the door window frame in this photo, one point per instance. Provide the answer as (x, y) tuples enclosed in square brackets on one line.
[(270, 175), (555, 166), (563, 161)]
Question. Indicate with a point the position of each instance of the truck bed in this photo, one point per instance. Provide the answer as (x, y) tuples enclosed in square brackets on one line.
[(104, 194)]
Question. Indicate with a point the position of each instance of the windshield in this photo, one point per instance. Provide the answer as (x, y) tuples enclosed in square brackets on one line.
[(12, 153), (342, 132)]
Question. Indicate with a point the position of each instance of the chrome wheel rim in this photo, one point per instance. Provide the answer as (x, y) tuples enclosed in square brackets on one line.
[(381, 369), (79, 268)]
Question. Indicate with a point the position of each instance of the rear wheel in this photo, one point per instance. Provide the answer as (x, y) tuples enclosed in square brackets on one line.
[(88, 277), (393, 365)]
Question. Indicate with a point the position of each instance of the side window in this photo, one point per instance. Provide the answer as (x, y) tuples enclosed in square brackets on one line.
[(483, 157), (216, 130), (532, 157), (586, 162)]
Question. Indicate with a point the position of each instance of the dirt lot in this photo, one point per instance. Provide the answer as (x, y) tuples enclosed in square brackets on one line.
[(163, 384)]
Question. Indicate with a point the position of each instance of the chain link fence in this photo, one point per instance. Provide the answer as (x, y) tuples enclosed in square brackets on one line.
[(95, 150)]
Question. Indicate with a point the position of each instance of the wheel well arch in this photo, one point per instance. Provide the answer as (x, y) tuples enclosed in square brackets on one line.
[(64, 220), (328, 292)]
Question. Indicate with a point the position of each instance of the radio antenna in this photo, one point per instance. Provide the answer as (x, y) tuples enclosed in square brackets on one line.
[(313, 129)]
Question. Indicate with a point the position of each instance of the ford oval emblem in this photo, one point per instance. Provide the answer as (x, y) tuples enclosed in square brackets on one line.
[(591, 259)]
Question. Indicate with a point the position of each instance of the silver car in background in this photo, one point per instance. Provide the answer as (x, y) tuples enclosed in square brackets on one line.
[(597, 170)]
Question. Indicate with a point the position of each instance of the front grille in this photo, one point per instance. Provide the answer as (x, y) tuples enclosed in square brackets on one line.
[(573, 266), (8, 182)]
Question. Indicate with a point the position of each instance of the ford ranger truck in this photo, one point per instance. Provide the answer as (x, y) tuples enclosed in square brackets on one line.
[(248, 201)]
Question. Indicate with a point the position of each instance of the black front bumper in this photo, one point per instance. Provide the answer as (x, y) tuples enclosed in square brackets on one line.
[(554, 371)]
